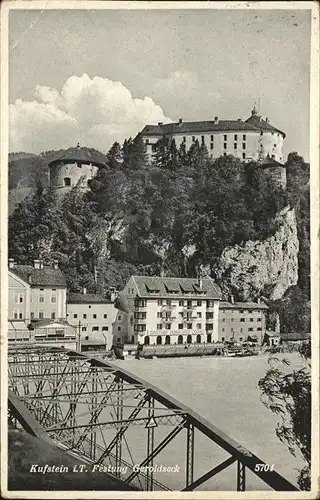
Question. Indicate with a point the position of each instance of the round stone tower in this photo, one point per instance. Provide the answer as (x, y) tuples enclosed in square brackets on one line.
[(75, 166)]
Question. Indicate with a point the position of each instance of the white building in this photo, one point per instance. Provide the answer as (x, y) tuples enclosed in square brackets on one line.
[(170, 310), (252, 139)]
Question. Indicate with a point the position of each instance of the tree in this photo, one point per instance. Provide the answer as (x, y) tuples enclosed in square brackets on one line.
[(114, 156), (288, 395), (34, 225)]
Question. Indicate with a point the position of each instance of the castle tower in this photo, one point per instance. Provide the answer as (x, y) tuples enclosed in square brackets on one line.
[(77, 165)]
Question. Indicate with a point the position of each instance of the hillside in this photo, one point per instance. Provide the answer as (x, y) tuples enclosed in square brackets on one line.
[(182, 215)]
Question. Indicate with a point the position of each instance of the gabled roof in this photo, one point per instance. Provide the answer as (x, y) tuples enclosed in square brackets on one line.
[(243, 305), (47, 276), (253, 124), (270, 162), (81, 155), (156, 286), (87, 298)]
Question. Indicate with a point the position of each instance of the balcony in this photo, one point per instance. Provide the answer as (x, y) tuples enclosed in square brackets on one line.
[(140, 320)]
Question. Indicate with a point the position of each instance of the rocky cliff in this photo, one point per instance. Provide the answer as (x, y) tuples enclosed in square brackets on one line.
[(262, 268)]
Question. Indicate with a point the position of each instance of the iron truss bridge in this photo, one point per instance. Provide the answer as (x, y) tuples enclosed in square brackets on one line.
[(119, 423)]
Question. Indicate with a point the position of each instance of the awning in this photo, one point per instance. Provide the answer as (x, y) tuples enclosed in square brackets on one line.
[(18, 325)]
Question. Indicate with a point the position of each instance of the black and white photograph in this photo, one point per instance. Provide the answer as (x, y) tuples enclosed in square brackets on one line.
[(159, 249)]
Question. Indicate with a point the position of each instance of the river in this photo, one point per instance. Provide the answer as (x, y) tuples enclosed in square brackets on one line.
[(224, 391)]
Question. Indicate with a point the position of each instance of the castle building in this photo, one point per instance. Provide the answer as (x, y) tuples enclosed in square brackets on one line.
[(76, 166), (249, 140), (170, 310)]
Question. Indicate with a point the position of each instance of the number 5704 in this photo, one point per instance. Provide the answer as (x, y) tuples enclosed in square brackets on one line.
[(263, 467)]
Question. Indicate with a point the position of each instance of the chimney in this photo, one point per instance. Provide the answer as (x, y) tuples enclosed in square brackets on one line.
[(78, 145), (216, 120), (29, 279), (200, 283), (160, 123), (180, 121), (37, 264), (84, 290), (232, 299), (258, 300), (267, 120), (11, 263), (240, 120), (55, 264)]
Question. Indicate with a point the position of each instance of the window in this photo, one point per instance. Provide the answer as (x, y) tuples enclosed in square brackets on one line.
[(189, 339), (211, 137), (75, 315), (199, 315), (232, 329), (202, 139), (40, 314), (119, 328), (241, 330), (95, 328), (225, 145), (251, 320), (159, 302), (167, 339), (199, 303), (209, 315), (250, 329), (224, 154), (211, 145), (261, 132), (84, 316), (53, 299), (223, 320), (180, 326), (41, 298), (168, 302), (235, 145), (209, 326), (67, 181), (32, 315), (258, 319), (159, 340), (146, 340), (94, 316), (209, 303), (243, 145), (235, 137), (244, 156), (20, 315), (189, 303), (244, 137), (193, 138), (184, 139), (199, 326), (84, 328), (259, 329), (180, 302), (209, 337), (232, 320), (223, 331), (198, 339), (222, 338), (105, 316), (105, 328), (242, 320), (168, 326), (147, 141), (119, 317), (180, 339), (159, 326), (20, 298), (189, 326), (89, 307), (158, 314), (224, 137)]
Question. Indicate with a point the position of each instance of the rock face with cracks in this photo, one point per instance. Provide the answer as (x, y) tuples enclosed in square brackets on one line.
[(262, 268)]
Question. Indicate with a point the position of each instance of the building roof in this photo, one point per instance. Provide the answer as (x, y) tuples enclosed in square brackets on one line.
[(252, 124), (53, 323), (47, 276), (270, 162), (87, 298), (296, 336), (156, 286), (81, 155), (243, 305)]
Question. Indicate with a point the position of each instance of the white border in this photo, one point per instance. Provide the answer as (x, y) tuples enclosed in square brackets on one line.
[(6, 6)]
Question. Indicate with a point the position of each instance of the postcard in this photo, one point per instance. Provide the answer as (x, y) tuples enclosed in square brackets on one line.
[(159, 249)]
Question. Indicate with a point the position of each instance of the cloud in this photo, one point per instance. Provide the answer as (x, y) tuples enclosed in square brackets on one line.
[(96, 111)]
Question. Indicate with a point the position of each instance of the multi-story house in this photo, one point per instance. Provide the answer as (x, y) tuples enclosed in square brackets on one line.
[(165, 310), (242, 321), (95, 317), (37, 303), (252, 139)]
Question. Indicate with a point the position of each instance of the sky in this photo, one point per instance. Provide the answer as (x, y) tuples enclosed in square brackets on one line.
[(97, 76)]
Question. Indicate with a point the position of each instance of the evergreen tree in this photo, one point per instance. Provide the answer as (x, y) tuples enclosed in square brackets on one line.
[(114, 157)]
